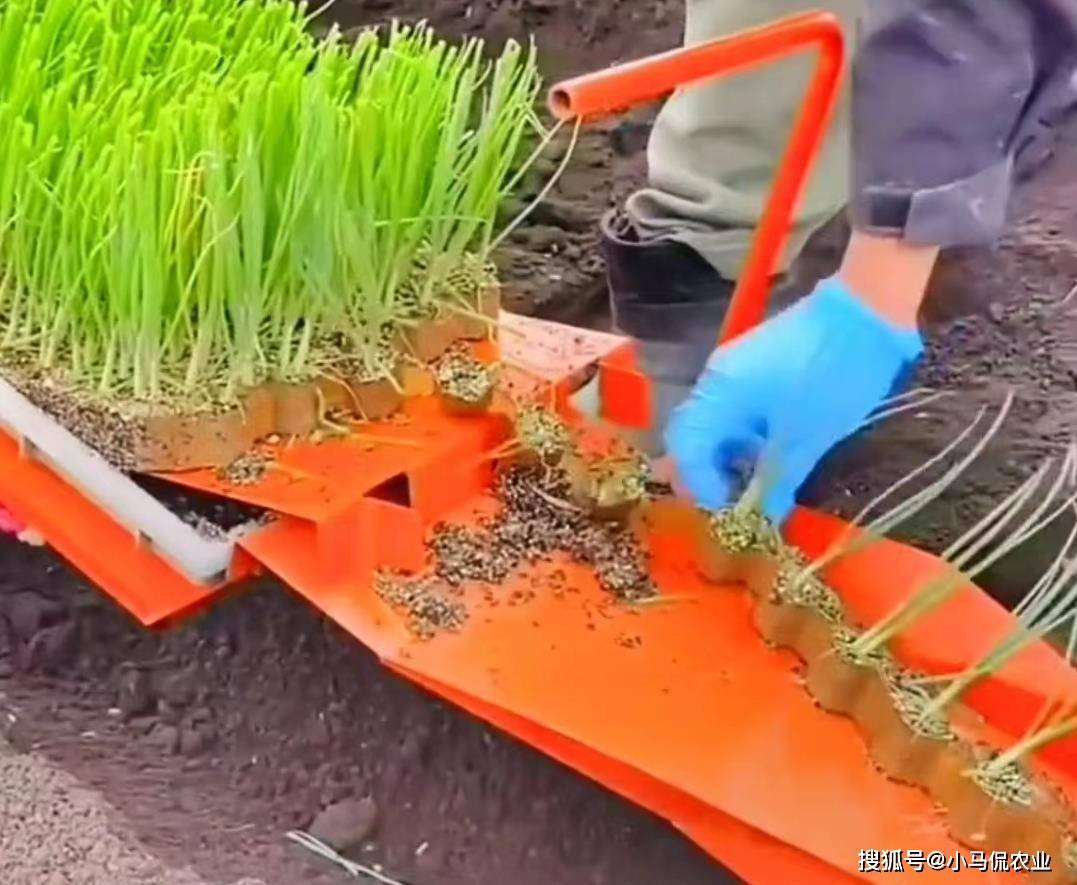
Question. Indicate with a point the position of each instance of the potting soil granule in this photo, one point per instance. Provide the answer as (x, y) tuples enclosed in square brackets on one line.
[(743, 532), (534, 522), (1009, 783)]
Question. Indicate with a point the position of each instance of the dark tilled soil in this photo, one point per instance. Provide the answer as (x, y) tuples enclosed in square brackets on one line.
[(209, 512), (216, 737)]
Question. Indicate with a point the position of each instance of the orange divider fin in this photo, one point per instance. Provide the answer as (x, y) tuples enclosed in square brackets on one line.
[(625, 390)]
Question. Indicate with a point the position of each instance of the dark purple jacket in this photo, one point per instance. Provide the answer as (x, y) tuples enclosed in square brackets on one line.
[(948, 97)]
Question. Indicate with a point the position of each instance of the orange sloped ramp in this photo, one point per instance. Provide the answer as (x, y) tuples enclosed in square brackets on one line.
[(748, 852), (678, 706)]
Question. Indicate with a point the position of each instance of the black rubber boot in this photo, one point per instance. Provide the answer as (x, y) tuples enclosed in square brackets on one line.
[(661, 290), (672, 301)]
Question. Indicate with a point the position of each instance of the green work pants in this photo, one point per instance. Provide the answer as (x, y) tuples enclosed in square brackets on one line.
[(715, 146)]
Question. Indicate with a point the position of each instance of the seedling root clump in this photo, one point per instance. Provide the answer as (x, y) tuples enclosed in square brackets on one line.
[(200, 198), (916, 726)]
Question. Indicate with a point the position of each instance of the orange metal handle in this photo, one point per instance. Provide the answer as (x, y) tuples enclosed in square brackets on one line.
[(619, 88)]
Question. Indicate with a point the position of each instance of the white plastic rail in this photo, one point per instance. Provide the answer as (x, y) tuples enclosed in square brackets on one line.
[(202, 560)]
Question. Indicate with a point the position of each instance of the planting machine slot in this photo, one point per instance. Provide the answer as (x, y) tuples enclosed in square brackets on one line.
[(395, 490), (200, 559)]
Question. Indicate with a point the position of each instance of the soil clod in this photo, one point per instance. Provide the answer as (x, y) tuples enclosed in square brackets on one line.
[(135, 695), (465, 380), (346, 824)]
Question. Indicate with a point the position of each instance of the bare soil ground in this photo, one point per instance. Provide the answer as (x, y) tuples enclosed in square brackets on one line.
[(57, 832), (214, 738)]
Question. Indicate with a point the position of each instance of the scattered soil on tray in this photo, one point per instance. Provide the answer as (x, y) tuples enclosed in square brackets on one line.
[(215, 737), (112, 432), (535, 521)]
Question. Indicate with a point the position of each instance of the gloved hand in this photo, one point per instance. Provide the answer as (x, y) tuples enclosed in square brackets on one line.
[(779, 397)]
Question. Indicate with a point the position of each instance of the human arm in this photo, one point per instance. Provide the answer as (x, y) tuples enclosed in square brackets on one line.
[(945, 92)]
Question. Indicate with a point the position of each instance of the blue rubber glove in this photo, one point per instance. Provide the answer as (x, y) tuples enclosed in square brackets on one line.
[(778, 398)]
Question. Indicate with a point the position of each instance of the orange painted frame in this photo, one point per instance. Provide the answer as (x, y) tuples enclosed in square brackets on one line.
[(698, 720), (103, 550)]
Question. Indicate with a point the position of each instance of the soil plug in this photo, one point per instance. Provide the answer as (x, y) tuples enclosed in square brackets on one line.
[(840, 677), (905, 740), (739, 543), (613, 487), (1001, 805), (792, 613), (466, 385), (541, 439)]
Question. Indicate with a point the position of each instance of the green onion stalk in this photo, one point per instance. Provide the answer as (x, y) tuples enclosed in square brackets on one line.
[(196, 197), (1004, 529)]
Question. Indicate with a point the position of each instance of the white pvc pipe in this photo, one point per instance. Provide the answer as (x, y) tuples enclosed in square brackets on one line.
[(200, 559)]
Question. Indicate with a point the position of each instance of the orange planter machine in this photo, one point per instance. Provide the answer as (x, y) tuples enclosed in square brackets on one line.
[(693, 718)]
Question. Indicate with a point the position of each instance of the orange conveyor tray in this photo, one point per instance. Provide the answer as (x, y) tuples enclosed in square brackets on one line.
[(679, 707)]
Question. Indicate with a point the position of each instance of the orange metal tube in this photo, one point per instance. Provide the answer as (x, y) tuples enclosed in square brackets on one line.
[(624, 86)]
